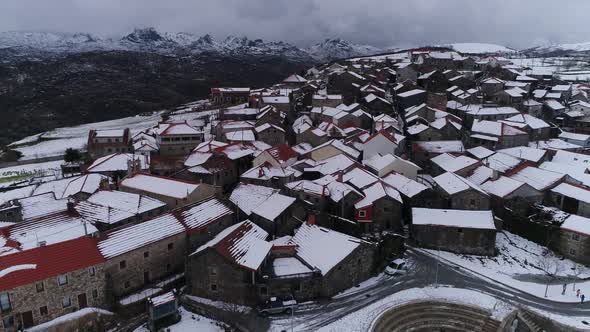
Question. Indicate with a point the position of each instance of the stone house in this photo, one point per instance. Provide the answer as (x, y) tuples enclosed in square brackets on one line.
[(460, 193), (227, 267), (204, 220), (119, 163), (105, 142), (330, 149), (177, 138), (458, 231), (572, 198), (380, 209), (411, 98), (140, 254), (173, 192), (345, 83), (281, 155), (406, 71), (377, 105), (270, 134), (227, 95), (491, 86), (381, 143), (326, 100), (215, 169), (50, 281), (280, 103), (574, 239), (434, 81), (270, 176)]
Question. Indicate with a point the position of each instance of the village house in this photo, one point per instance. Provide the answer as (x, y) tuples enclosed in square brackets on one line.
[(269, 175), (330, 149), (495, 134), (110, 209), (177, 138), (410, 98), (382, 143), (423, 151), (119, 164), (461, 165), (173, 192), (224, 96), (321, 100), (105, 142), (280, 103), (270, 134), (204, 220), (380, 209), (574, 239), (281, 155), (572, 198), (458, 231), (582, 140), (491, 86), (504, 189), (460, 193), (535, 127), (140, 254), (43, 283)]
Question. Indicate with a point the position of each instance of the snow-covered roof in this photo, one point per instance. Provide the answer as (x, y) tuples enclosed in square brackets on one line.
[(375, 192), (113, 206), (554, 144), (531, 121), (197, 158), (274, 206), (410, 93), (203, 213), (240, 136), (110, 133), (323, 248), (354, 153), (576, 192), (553, 104), (275, 100), (248, 196), (501, 187), (573, 136), (117, 162), (440, 146), (571, 158), (136, 236), (450, 163), (294, 79), (243, 244), (577, 224), (160, 185), (453, 218), (332, 165), (41, 205), (183, 128), (453, 184), (537, 178), (480, 152), (494, 128), (525, 152), (404, 185), (289, 266), (501, 162), (268, 172), (480, 175)]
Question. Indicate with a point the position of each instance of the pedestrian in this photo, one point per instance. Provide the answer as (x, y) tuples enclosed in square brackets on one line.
[(564, 287), (582, 298), (578, 293)]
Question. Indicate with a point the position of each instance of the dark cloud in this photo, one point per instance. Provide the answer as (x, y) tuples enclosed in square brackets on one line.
[(517, 23)]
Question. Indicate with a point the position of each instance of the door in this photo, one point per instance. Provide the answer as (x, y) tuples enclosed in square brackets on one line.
[(82, 303), (146, 277), (28, 319), (570, 205)]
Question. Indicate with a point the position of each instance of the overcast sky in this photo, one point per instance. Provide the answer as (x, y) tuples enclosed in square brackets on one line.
[(515, 23)]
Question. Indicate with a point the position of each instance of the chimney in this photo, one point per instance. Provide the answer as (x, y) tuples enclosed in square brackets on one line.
[(311, 219), (70, 206), (260, 172)]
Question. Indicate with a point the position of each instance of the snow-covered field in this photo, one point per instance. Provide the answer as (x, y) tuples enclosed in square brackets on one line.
[(516, 265), (22, 172), (191, 322), (55, 142)]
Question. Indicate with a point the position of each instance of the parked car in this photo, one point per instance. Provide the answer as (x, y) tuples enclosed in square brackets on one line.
[(278, 305), (397, 266)]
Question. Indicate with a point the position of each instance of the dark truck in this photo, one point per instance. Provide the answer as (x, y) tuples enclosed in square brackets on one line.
[(278, 305)]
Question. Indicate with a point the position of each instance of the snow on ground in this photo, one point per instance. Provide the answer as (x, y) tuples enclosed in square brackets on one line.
[(140, 296), (480, 48), (191, 322), (55, 142), (362, 319), (26, 171), (69, 317), (516, 266), (220, 304)]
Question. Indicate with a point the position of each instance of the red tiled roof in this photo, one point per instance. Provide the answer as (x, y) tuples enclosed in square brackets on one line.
[(282, 152), (50, 261)]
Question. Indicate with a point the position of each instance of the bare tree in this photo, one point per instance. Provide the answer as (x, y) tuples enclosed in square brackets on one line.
[(549, 264), (578, 270)]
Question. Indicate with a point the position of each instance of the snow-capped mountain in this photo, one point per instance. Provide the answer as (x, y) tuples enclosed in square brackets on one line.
[(480, 48), (331, 49), (575, 47), (151, 40)]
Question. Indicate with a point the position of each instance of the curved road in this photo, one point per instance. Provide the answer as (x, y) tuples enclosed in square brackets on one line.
[(422, 274)]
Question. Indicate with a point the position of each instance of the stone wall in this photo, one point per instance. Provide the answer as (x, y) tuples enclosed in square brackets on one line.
[(458, 240), (160, 261), (26, 298)]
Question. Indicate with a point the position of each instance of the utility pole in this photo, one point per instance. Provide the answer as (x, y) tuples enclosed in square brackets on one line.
[(437, 263)]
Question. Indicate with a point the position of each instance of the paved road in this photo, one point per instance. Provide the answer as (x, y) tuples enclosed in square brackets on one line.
[(423, 274)]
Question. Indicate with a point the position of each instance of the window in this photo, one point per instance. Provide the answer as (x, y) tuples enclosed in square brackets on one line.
[(472, 202), (43, 311), (146, 254), (575, 237), (170, 246), (8, 322), (460, 230), (94, 293), (40, 287), (126, 284), (62, 280), (168, 267), (263, 291), (297, 287), (362, 213), (572, 251), (213, 287), (5, 302), (122, 264), (66, 302), (92, 270), (213, 270)]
